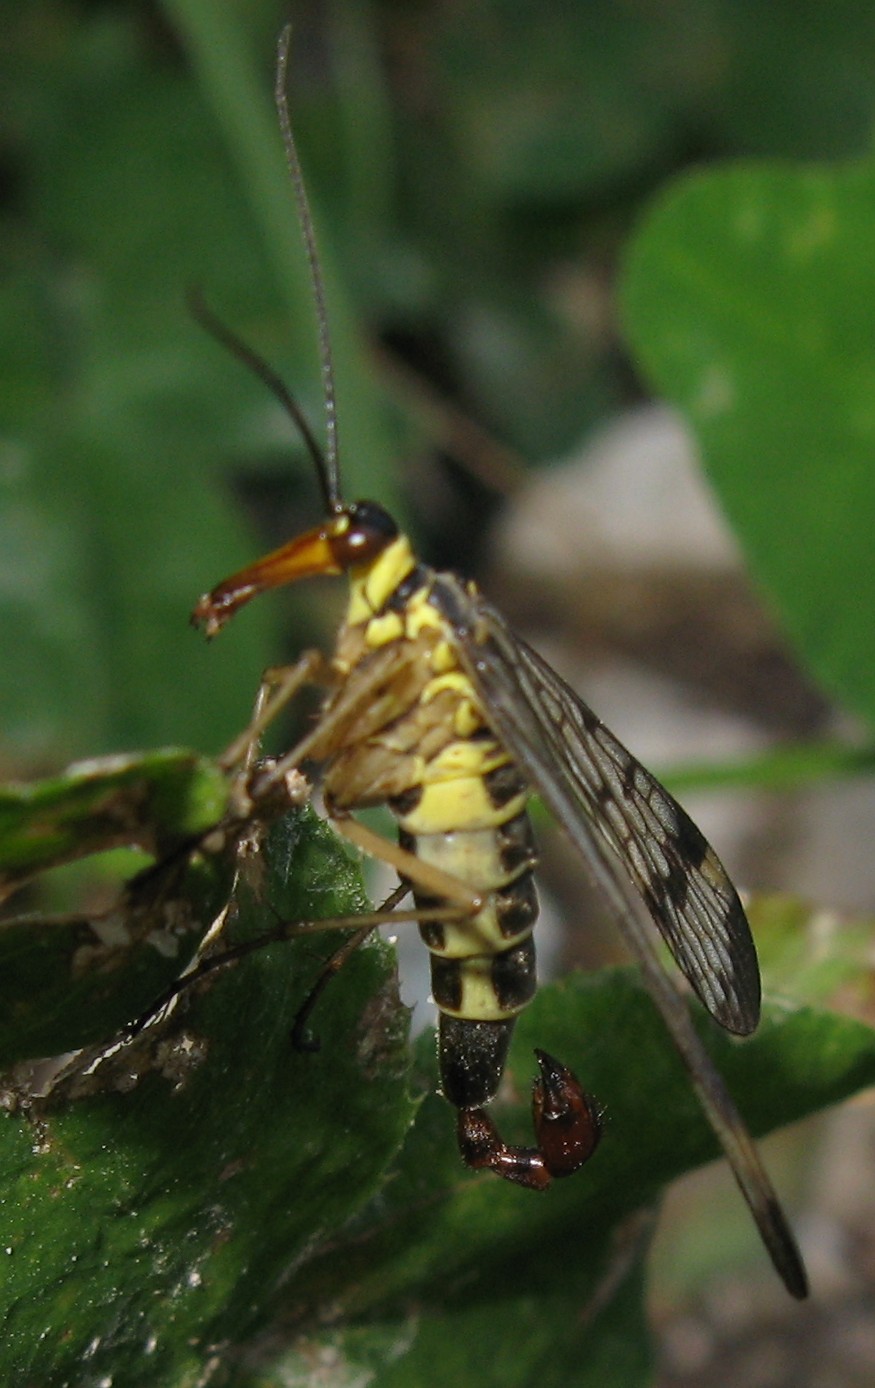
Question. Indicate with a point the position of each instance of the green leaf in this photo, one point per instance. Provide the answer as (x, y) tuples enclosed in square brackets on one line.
[(183, 1179), (747, 298), (816, 955), (152, 800), (460, 1278), (205, 1176), (513, 1336), (74, 979)]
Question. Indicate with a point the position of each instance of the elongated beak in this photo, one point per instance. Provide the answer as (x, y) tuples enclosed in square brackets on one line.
[(303, 557)]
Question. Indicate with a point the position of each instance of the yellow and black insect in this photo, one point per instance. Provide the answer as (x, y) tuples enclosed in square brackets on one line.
[(435, 708)]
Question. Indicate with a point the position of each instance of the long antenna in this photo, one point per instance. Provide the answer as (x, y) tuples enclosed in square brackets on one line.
[(204, 315), (330, 472)]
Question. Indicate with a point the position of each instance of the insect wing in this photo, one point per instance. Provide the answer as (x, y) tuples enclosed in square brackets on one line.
[(579, 768), (641, 848)]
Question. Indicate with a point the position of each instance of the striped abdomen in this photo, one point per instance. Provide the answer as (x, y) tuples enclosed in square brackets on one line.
[(468, 818), (474, 826), (460, 803)]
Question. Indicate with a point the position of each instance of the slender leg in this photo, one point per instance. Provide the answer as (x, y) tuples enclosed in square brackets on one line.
[(279, 685), (302, 1040), (429, 879), (362, 924)]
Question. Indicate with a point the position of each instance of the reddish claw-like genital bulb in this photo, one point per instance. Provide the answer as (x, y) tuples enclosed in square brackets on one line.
[(567, 1128)]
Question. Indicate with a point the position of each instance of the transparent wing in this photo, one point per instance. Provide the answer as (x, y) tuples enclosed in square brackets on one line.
[(642, 849), (650, 861)]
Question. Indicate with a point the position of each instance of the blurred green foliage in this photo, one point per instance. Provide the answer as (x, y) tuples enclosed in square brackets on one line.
[(475, 170), (749, 293)]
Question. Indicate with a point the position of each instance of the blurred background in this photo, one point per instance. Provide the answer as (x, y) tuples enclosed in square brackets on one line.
[(477, 171)]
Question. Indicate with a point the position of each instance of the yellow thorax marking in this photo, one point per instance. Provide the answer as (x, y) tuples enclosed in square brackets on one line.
[(382, 630), (372, 584), (422, 615), (456, 804), (468, 759)]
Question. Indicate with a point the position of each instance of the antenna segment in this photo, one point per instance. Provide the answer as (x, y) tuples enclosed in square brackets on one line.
[(228, 339), (331, 473)]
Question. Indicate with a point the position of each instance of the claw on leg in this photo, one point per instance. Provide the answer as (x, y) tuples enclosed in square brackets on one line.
[(567, 1128)]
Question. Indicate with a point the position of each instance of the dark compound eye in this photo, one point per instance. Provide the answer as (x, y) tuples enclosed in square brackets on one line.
[(371, 529)]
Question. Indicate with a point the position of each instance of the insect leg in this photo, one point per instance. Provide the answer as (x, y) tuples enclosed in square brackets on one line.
[(362, 924), (279, 685), (303, 1040), (430, 879)]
